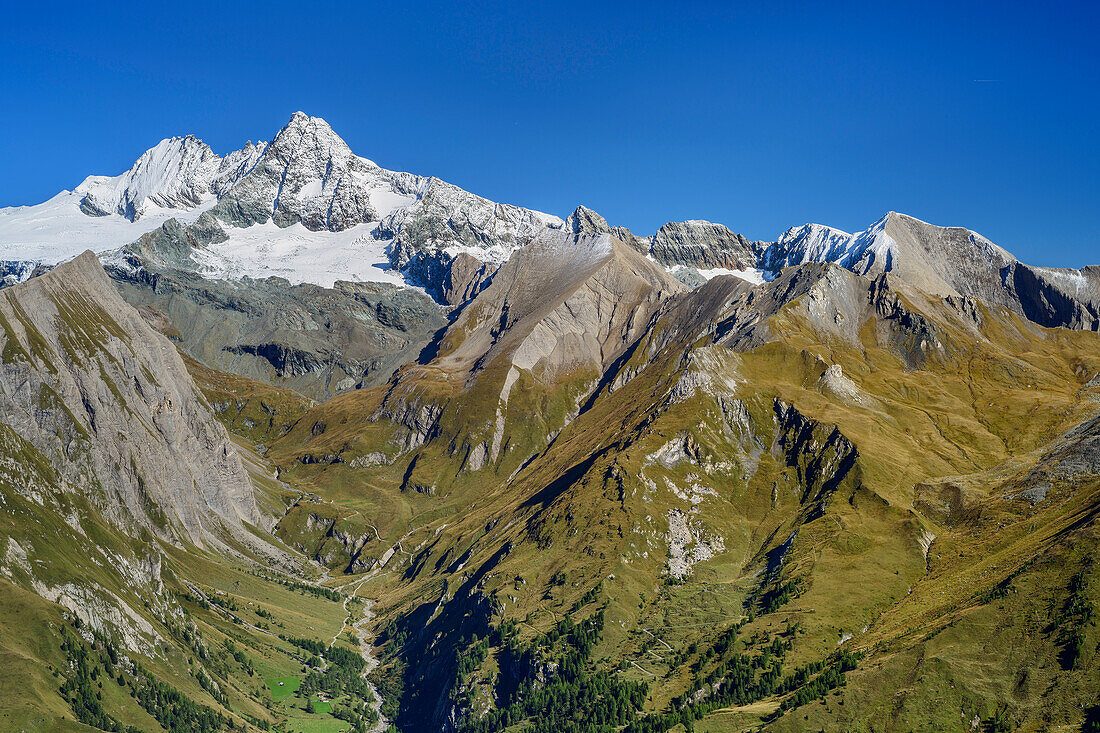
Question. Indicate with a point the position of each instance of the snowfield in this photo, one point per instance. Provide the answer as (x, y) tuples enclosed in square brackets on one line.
[(299, 255), (756, 277)]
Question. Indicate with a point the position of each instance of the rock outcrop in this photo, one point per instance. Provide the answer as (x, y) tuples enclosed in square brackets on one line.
[(585, 221)]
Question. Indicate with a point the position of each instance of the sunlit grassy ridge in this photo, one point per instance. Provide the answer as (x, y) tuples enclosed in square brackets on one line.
[(971, 390)]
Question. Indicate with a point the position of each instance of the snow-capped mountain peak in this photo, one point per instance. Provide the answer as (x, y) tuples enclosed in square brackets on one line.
[(306, 174), (176, 173), (323, 212), (310, 145), (943, 261)]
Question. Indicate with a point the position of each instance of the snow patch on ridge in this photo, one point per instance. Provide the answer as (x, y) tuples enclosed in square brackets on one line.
[(754, 276), (1068, 279), (56, 230)]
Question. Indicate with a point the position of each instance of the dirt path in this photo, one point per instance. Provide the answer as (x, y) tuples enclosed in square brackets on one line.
[(225, 612)]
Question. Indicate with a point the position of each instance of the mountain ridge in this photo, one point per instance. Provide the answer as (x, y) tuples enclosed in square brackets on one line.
[(56, 327), (270, 219), (784, 425), (328, 188)]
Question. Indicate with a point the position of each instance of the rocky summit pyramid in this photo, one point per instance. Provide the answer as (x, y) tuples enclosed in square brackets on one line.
[(305, 443)]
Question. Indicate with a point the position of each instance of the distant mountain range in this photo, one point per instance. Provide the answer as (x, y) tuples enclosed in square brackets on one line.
[(306, 208)]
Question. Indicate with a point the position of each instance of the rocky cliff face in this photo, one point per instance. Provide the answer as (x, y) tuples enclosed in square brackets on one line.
[(557, 304), (696, 244), (1058, 297), (702, 245), (108, 401)]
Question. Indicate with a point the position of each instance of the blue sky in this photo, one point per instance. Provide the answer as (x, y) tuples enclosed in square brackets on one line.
[(757, 115)]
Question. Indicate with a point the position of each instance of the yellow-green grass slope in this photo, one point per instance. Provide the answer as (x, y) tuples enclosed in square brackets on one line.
[(926, 389)]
